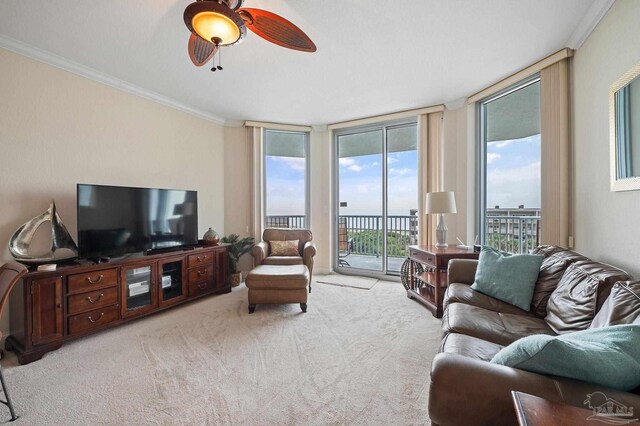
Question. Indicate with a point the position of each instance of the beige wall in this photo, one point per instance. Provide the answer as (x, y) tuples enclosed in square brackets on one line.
[(321, 201), (58, 129), (606, 224)]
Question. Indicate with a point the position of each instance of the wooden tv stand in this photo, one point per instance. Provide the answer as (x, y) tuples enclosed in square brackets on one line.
[(51, 308)]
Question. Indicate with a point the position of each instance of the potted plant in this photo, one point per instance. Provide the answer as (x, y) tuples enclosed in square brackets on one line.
[(236, 248)]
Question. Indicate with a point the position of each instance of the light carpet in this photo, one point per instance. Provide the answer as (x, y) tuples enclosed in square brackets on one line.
[(354, 358), (347, 281)]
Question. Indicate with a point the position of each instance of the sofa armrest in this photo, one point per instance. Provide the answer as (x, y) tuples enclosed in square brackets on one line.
[(470, 391), (462, 271), (308, 252), (259, 252)]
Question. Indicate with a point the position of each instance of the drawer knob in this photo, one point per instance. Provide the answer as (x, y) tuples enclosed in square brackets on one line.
[(97, 298), (202, 258), (202, 273), (100, 277), (90, 318), (202, 286)]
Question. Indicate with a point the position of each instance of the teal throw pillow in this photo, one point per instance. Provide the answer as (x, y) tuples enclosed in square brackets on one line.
[(607, 356), (510, 278)]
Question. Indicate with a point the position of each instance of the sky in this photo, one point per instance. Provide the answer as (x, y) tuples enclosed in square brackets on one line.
[(513, 172), (513, 178), (360, 184)]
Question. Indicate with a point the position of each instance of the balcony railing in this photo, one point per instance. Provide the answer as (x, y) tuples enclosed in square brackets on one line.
[(292, 221), (514, 234), (365, 232)]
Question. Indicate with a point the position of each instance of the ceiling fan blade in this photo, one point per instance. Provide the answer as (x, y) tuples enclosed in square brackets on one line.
[(200, 51), (276, 29)]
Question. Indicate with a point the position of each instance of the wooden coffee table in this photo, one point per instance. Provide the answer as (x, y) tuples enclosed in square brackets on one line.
[(535, 411)]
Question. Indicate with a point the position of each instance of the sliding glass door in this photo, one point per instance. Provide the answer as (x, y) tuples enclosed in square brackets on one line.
[(377, 197)]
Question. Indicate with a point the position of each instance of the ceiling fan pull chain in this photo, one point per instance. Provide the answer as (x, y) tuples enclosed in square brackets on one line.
[(220, 59), (213, 65)]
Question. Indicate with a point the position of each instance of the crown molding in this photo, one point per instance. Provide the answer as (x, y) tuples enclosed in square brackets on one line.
[(455, 104), (57, 61), (589, 22)]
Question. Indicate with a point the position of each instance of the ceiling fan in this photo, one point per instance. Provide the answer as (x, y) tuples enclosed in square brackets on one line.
[(217, 23)]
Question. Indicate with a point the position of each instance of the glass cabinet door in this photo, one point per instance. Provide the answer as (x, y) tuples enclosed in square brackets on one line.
[(172, 281), (138, 290)]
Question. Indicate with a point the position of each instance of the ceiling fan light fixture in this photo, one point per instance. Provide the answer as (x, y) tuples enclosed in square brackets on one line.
[(209, 20)]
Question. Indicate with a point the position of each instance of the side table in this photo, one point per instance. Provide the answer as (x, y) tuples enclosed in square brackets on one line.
[(427, 287)]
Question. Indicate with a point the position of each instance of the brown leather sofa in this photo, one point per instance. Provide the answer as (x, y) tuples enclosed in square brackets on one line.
[(572, 293)]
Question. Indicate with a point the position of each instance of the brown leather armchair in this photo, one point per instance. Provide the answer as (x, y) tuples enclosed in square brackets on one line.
[(306, 248)]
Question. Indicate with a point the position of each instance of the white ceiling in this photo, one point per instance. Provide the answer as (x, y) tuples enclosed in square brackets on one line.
[(374, 56)]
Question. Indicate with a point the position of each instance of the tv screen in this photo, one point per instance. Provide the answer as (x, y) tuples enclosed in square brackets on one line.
[(116, 220)]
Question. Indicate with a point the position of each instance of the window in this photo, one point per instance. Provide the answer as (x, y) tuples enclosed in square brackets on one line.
[(509, 168), (286, 164)]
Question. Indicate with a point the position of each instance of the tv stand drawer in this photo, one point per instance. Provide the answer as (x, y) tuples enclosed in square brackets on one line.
[(204, 273), (88, 281), (92, 300), (93, 319), (200, 259)]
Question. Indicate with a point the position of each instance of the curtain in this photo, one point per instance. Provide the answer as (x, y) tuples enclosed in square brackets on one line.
[(254, 141), (429, 164), (623, 133), (555, 154)]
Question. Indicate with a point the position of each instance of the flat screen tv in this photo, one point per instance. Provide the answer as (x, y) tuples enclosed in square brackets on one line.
[(116, 220)]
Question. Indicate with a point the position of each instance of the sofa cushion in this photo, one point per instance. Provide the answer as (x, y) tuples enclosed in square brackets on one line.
[(510, 278), (621, 307), (556, 260), (282, 260), (463, 293), (495, 327), (607, 356), (580, 293), (284, 248), (469, 346)]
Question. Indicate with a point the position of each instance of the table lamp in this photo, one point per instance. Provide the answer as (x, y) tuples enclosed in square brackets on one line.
[(441, 203)]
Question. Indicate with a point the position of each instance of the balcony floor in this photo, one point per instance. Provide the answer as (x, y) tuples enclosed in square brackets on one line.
[(373, 263)]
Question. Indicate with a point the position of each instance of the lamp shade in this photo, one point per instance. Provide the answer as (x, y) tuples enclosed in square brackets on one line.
[(440, 202)]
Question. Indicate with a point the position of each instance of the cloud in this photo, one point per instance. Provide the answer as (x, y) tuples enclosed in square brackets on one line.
[(363, 189), (514, 186), (505, 143), (392, 160), (500, 144), (401, 172), (491, 157), (350, 164), (295, 163)]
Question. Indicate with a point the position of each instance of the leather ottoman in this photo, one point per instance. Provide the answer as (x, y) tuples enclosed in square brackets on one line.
[(278, 284)]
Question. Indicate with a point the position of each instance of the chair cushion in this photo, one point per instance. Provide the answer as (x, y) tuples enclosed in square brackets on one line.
[(621, 307), (580, 293), (470, 347), (278, 277), (463, 293), (510, 278), (607, 356), (284, 248), (496, 327), (282, 260), (280, 234)]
